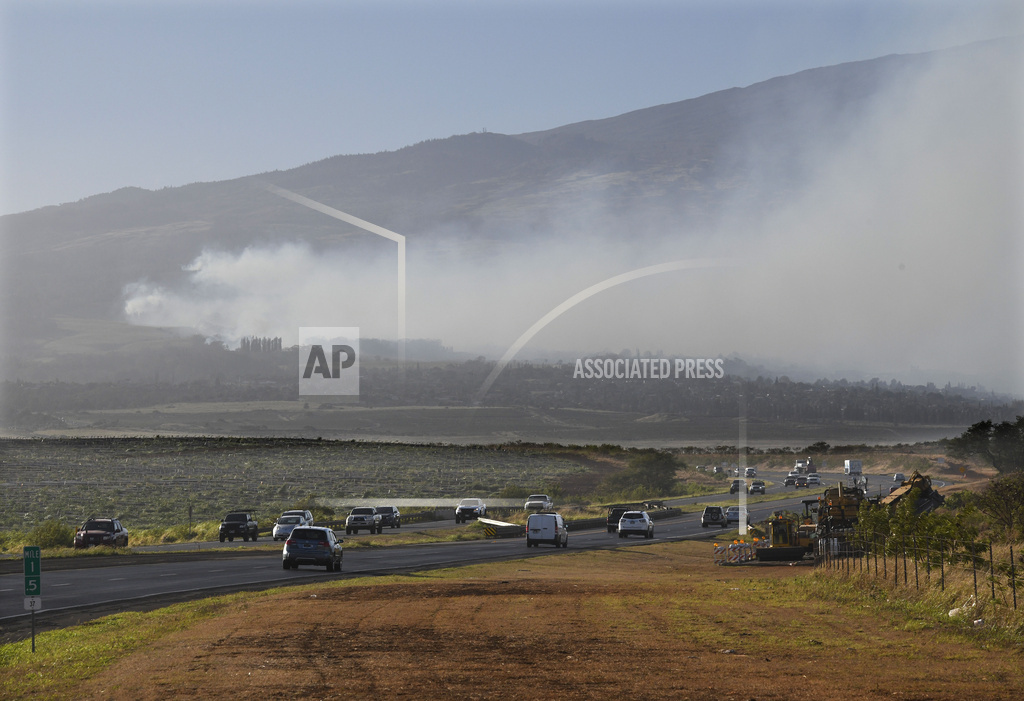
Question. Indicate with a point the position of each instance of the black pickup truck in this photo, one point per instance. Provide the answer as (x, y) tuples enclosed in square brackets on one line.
[(239, 524)]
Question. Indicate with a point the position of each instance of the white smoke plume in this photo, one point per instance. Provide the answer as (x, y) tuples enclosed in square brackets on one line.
[(899, 256)]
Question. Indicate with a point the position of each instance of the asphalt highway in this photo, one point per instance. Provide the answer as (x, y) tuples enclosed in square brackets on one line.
[(64, 590)]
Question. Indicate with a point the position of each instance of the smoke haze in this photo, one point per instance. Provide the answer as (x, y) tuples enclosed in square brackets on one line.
[(895, 252)]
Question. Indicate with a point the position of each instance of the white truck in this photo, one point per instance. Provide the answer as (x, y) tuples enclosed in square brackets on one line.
[(853, 467)]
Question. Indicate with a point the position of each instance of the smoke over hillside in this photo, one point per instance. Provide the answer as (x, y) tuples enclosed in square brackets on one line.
[(885, 241)]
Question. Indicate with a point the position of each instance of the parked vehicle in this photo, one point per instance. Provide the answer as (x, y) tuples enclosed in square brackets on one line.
[(101, 531), (713, 516), (284, 526), (390, 516), (538, 502), (546, 528), (614, 514), (756, 487), (470, 508), (239, 524), (736, 513), (312, 545), (636, 523), (363, 518)]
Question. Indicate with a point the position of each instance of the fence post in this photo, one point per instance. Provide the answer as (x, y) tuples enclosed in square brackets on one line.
[(885, 561), (942, 569), (991, 571), (974, 569), (895, 568), (928, 564), (903, 541), (1013, 579), (917, 581), (874, 550)]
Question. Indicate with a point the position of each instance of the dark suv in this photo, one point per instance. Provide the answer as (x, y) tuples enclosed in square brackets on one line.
[(101, 531), (390, 516), (737, 485), (312, 545), (239, 524)]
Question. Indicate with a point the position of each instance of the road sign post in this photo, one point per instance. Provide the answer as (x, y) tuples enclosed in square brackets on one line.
[(33, 558)]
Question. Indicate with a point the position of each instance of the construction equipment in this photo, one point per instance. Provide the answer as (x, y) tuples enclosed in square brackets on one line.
[(927, 499), (788, 537), (838, 508)]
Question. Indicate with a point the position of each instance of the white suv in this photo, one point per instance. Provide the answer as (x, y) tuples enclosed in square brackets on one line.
[(636, 523)]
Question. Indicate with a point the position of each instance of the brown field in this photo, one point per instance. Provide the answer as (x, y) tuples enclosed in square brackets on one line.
[(653, 622)]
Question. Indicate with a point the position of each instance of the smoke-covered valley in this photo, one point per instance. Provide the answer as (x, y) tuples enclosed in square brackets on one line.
[(873, 212)]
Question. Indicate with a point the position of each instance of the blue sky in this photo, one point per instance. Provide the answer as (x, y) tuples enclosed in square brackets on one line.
[(102, 95)]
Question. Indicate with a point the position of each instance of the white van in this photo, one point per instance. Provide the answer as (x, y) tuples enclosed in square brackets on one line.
[(546, 528)]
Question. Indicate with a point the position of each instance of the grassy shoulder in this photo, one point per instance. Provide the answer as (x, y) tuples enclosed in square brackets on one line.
[(698, 630)]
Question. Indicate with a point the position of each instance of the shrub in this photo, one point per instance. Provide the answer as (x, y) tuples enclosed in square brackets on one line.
[(52, 534)]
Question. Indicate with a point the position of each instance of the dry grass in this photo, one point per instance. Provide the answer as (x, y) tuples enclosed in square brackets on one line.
[(657, 621)]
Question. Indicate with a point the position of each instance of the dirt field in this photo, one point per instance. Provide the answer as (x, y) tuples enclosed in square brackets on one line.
[(651, 622)]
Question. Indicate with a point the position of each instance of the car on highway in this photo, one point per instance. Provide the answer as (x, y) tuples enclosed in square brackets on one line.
[(470, 508), (312, 545), (801, 481), (735, 513), (713, 516), (239, 524), (538, 502), (636, 523), (305, 515), (750, 472), (363, 518), (737, 485), (101, 531), (899, 477), (390, 516), (546, 528), (790, 480), (716, 470), (813, 480), (756, 487), (285, 524)]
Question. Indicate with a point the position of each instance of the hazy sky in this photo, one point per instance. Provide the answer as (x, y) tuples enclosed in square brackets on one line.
[(101, 95)]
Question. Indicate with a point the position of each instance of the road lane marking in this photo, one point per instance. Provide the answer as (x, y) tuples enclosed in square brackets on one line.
[(117, 579), (65, 584), (170, 574)]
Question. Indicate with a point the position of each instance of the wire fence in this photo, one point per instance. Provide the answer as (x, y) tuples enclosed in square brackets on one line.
[(991, 571)]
